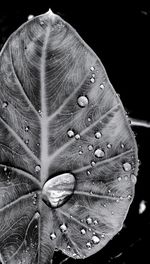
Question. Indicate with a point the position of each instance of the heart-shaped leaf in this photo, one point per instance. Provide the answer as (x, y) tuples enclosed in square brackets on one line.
[(68, 157)]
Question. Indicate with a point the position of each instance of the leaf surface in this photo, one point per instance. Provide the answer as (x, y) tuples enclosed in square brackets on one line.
[(45, 69)]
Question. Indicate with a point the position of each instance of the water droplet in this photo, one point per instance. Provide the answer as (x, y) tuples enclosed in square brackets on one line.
[(83, 231), (37, 168), (27, 141), (93, 75), (127, 166), (133, 178), (77, 136), (30, 17), (63, 228), (89, 220), (109, 145), (121, 198), (5, 104), (34, 197), (142, 206), (129, 197), (52, 236), (101, 86), (89, 119), (90, 147), (40, 112), (93, 163), (70, 133), (102, 235), (5, 168), (92, 68), (68, 246), (126, 178), (88, 244), (27, 128), (92, 80), (99, 153), (104, 205), (83, 101), (122, 145), (95, 222), (88, 172), (95, 239), (117, 200), (119, 178), (80, 152), (98, 134), (41, 23), (112, 213)]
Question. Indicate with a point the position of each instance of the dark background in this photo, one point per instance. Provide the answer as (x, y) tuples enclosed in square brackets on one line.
[(120, 37)]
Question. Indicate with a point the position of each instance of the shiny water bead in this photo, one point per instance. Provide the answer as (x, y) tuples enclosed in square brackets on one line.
[(27, 141), (92, 68), (98, 134), (95, 239), (5, 168), (89, 220), (88, 172), (99, 153), (30, 17), (119, 178), (70, 133), (95, 222), (122, 145), (83, 231), (88, 244), (101, 86), (90, 147), (133, 178), (127, 166), (37, 168), (5, 104), (93, 75), (83, 101), (52, 236), (80, 152), (92, 80), (77, 136), (27, 128), (63, 228), (93, 163), (109, 146)]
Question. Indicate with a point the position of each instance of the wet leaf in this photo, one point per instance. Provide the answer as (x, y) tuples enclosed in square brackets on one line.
[(60, 117)]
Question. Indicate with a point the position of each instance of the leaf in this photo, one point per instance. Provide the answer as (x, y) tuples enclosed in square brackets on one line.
[(60, 114)]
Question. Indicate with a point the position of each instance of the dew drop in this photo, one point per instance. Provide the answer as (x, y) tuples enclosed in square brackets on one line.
[(83, 101), (93, 163), (99, 153), (88, 244), (5, 168), (126, 178), (102, 235), (133, 178), (92, 68), (101, 86), (63, 228), (122, 145), (88, 172), (129, 197), (119, 179), (77, 136), (37, 168), (68, 246), (95, 222), (92, 80), (27, 141), (5, 104), (83, 231), (109, 145), (95, 239), (93, 75), (30, 17), (34, 198), (90, 147), (89, 220), (89, 119), (70, 133), (27, 128), (127, 166), (52, 236), (98, 134), (80, 152)]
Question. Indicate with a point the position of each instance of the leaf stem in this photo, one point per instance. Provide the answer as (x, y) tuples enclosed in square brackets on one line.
[(138, 122)]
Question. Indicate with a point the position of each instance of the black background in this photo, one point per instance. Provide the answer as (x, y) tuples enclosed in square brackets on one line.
[(120, 37)]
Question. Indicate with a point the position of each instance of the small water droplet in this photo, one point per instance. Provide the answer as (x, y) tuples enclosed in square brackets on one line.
[(34, 198), (5, 104), (5, 168), (68, 246), (88, 172), (93, 75), (133, 178), (127, 166), (37, 168), (27, 128), (70, 133), (83, 231), (99, 153), (63, 228), (77, 136), (129, 197), (126, 178), (112, 213), (98, 134), (122, 145), (95, 222), (52, 236), (27, 141), (92, 68), (40, 112), (93, 163), (101, 86), (90, 147), (83, 101), (30, 17), (89, 119), (92, 80), (89, 220), (109, 191), (80, 152), (109, 145), (117, 200), (95, 239), (102, 235), (119, 178), (88, 244), (121, 198), (41, 23)]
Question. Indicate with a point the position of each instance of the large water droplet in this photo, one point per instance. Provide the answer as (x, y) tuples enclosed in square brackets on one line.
[(95, 239), (30, 17), (83, 231), (99, 153), (70, 133), (89, 220), (127, 166), (63, 228), (52, 236), (5, 104), (98, 134), (37, 168), (83, 101)]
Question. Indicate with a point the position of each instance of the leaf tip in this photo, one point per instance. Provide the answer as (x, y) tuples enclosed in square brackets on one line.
[(51, 14)]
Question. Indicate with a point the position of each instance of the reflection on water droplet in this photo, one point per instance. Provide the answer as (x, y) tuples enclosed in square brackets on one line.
[(27, 128), (70, 133), (95, 239), (89, 119), (89, 220), (99, 153), (30, 17), (98, 134), (5, 104), (92, 68), (101, 86), (52, 236), (63, 228), (92, 80), (82, 101), (88, 244), (83, 231), (127, 166), (77, 136), (109, 145), (133, 178), (37, 168), (90, 147)]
